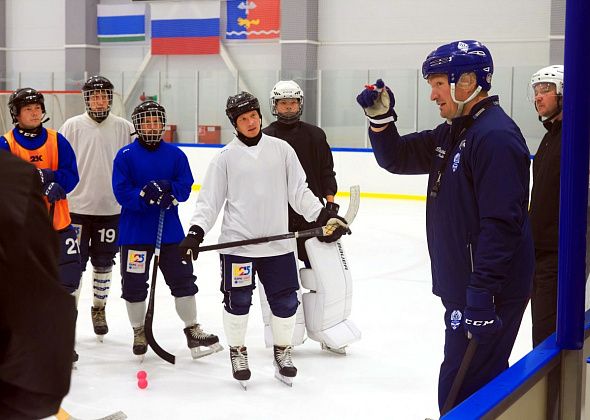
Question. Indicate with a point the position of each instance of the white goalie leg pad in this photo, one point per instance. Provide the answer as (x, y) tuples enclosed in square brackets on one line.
[(298, 333), (282, 330), (328, 304), (235, 328)]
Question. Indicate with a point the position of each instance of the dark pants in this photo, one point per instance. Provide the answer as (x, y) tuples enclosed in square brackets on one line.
[(544, 296), (278, 274), (97, 237), (490, 359), (69, 259), (135, 272)]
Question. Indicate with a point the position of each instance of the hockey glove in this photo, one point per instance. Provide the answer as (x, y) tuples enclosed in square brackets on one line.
[(153, 190), (166, 201), (378, 101), (54, 192), (46, 176), (334, 225), (480, 315), (189, 247)]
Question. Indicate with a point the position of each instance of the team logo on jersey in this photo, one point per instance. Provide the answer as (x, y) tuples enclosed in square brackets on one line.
[(456, 161), (456, 319), (241, 274), (136, 261), (37, 158)]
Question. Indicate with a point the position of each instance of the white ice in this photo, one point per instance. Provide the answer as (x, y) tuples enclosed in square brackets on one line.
[(390, 374)]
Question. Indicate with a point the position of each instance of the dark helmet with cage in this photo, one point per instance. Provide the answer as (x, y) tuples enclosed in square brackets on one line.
[(458, 58), (239, 104), (22, 97), (98, 92), (286, 89), (149, 120)]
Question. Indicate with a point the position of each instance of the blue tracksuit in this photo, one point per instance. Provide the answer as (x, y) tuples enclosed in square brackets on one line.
[(133, 168), (477, 224)]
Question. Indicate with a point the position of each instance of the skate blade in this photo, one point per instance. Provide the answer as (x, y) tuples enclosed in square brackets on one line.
[(244, 385), (197, 352), (341, 351), (100, 338), (284, 379), (140, 357)]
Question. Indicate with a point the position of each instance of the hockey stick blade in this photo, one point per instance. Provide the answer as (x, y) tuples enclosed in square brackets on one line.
[(353, 204), (64, 415)]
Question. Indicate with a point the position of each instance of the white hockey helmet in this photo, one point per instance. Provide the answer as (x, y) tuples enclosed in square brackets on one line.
[(550, 74), (286, 89)]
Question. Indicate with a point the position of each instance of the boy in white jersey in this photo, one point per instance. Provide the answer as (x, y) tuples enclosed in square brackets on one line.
[(96, 136), (256, 177)]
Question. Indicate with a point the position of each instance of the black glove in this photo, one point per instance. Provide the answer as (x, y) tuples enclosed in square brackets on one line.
[(46, 176), (166, 201), (189, 247), (54, 192), (481, 320), (153, 190), (378, 101), (334, 225)]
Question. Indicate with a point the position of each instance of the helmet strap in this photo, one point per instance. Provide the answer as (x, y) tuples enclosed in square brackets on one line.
[(461, 104)]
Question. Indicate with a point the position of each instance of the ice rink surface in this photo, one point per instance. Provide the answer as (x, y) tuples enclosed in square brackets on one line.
[(391, 373)]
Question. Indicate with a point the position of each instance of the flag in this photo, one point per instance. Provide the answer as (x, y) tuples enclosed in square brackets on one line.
[(189, 27), (120, 22), (250, 19)]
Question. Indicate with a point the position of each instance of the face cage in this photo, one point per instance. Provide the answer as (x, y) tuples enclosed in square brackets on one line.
[(98, 114), (140, 118)]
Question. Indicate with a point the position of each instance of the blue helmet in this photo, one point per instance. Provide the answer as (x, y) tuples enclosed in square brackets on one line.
[(460, 57)]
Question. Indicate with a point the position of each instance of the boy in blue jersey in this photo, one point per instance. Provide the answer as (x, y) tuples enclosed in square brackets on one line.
[(479, 236), (149, 175)]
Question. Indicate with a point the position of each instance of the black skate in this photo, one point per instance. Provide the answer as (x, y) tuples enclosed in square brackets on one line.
[(99, 322), (139, 342), (284, 369), (197, 338), (239, 364)]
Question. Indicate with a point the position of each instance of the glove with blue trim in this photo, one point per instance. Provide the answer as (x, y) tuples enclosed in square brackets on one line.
[(378, 101), (153, 190), (481, 320)]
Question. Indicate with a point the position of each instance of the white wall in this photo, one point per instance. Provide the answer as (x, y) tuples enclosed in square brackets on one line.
[(351, 168)]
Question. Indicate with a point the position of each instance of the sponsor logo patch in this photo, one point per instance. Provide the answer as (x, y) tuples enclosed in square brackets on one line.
[(136, 261), (241, 274)]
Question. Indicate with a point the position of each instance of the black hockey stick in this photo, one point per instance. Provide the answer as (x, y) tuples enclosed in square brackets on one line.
[(149, 315), (353, 207), (51, 213), (458, 381)]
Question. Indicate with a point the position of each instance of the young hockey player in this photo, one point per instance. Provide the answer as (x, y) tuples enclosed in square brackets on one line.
[(96, 136), (150, 175), (256, 177), (478, 230)]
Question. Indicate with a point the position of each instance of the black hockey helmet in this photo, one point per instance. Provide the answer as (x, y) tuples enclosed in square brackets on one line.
[(239, 104), (98, 85), (22, 97), (143, 111)]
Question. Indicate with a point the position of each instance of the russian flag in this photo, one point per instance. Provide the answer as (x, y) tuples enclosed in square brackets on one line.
[(120, 22), (251, 19), (188, 27)]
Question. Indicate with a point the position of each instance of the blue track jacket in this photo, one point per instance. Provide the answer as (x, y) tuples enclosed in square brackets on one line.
[(477, 224)]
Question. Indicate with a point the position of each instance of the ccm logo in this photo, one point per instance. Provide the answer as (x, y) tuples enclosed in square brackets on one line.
[(479, 323)]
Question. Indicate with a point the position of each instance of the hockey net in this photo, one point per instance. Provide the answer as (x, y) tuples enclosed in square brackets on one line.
[(59, 106)]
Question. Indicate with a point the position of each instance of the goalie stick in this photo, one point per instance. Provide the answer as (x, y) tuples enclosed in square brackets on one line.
[(353, 207), (149, 315)]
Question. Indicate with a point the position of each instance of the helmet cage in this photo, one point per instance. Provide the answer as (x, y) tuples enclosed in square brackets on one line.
[(286, 90), (98, 85), (22, 97), (145, 113)]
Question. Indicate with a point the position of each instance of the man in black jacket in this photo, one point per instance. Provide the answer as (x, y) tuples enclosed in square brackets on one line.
[(547, 90), (37, 316)]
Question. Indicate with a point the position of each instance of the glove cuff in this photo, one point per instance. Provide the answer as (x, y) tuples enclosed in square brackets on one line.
[(332, 207), (381, 120), (196, 232), (479, 298)]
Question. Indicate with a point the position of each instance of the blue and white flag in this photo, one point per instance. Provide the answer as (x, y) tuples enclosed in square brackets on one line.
[(120, 22)]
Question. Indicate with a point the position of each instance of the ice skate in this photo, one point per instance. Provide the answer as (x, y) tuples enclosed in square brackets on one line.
[(99, 322), (340, 350), (239, 364), (284, 369), (197, 338), (139, 342)]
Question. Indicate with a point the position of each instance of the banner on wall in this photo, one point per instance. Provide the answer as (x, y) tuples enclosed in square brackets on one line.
[(189, 27), (253, 19), (120, 22)]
